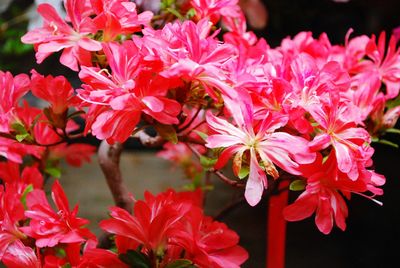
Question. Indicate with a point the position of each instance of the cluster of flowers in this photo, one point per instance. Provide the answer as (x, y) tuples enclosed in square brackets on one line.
[(166, 230), (307, 110)]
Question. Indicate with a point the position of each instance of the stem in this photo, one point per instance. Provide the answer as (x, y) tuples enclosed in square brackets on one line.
[(191, 121), (276, 228), (109, 157)]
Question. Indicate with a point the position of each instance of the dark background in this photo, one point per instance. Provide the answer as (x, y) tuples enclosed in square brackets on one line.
[(372, 236)]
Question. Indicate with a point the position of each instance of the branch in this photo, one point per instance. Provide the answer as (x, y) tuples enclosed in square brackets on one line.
[(147, 140), (109, 156)]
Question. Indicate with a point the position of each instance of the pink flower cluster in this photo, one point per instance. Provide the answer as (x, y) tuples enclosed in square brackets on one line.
[(305, 111)]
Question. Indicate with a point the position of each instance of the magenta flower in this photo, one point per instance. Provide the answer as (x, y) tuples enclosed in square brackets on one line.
[(258, 139)]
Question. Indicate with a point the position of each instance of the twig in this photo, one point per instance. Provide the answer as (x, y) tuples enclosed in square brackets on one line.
[(109, 157), (216, 172)]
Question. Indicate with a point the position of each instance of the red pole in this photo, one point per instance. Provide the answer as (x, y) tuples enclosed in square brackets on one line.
[(276, 228)]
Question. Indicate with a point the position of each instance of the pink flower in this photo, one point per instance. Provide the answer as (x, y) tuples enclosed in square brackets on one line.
[(259, 139), (75, 154), (384, 65), (56, 35), (209, 243), (190, 53), (12, 89), (18, 255), (340, 131), (30, 175), (118, 99), (322, 193), (181, 156), (88, 257), (55, 90), (50, 227), (214, 9), (118, 17), (11, 213)]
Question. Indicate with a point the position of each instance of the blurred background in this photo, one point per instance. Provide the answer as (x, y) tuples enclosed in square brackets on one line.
[(373, 234)]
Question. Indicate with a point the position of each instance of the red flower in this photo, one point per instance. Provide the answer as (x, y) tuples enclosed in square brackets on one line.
[(153, 221)]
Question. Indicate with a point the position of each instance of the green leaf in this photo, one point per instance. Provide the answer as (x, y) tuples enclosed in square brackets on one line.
[(167, 132), (175, 13), (180, 263), (385, 142), (207, 162), (190, 13), (19, 128), (135, 259), (393, 103), (393, 130), (53, 171), (244, 171), (27, 190), (202, 135), (297, 185), (21, 137)]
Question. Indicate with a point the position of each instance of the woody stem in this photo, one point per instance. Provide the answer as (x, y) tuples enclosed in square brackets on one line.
[(109, 157)]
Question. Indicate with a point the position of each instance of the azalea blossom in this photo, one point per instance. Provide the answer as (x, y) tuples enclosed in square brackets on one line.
[(209, 243), (325, 190), (56, 34), (12, 89), (262, 143), (50, 227), (341, 132), (130, 90)]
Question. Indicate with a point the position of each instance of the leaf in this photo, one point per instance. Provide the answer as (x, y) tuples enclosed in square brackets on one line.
[(244, 171), (21, 137), (393, 103), (202, 135), (53, 171), (297, 185), (19, 128), (190, 13), (207, 162), (167, 132), (393, 130), (180, 263), (385, 142), (175, 13), (27, 190), (135, 259)]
